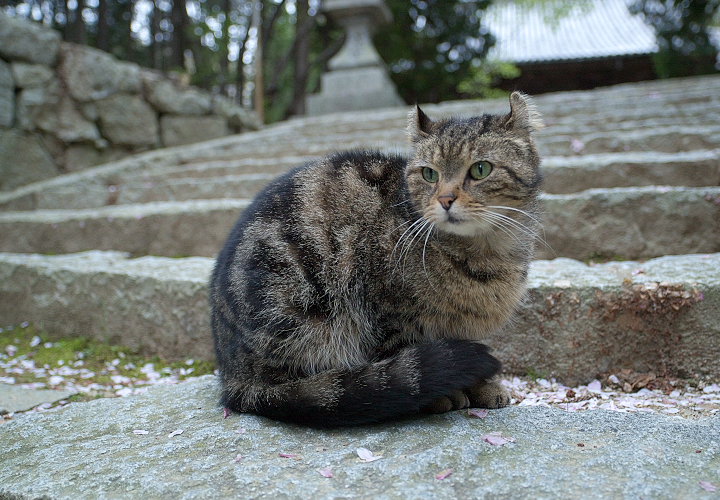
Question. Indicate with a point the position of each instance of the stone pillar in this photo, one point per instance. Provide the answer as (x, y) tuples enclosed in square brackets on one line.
[(357, 78)]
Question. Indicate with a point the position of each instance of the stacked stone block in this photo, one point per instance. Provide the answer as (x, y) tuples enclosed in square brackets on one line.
[(66, 107)]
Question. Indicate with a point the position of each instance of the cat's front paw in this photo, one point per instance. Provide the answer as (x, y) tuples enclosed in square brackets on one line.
[(488, 394), (457, 400)]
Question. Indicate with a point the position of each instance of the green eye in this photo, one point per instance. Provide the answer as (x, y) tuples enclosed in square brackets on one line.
[(480, 169), (430, 175)]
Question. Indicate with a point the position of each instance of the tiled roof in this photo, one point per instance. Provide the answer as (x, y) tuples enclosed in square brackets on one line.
[(592, 29)]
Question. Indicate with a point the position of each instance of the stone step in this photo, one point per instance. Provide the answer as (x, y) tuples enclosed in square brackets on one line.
[(664, 116), (629, 223), (91, 450), (243, 177), (661, 315)]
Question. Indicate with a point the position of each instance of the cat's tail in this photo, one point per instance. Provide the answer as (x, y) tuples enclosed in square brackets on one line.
[(395, 387)]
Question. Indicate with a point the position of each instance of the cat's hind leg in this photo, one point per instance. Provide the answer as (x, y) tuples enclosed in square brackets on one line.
[(457, 400), (488, 394)]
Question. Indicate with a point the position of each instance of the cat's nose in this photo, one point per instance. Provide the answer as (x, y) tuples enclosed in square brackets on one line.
[(446, 200)]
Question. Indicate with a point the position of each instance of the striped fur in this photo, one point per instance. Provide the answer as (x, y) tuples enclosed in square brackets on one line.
[(346, 293)]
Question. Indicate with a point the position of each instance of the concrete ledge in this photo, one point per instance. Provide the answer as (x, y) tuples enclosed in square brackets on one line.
[(90, 450), (661, 315)]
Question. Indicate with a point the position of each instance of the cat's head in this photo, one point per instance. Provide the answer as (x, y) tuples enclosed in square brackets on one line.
[(463, 171)]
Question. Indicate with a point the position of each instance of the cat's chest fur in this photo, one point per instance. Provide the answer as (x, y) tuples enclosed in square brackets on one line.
[(466, 296)]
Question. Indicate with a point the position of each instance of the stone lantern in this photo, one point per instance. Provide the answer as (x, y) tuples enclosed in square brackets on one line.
[(357, 78)]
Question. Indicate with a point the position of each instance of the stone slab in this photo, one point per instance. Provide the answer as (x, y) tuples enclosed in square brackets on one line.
[(662, 315), (627, 223), (570, 174), (158, 306), (631, 223), (176, 130), (90, 450), (14, 398), (174, 229), (21, 39), (23, 159)]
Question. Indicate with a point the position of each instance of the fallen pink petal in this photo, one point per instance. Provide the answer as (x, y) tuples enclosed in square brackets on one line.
[(496, 439), (287, 455), (444, 474), (326, 472), (478, 412), (367, 455), (708, 486), (238, 458), (226, 412)]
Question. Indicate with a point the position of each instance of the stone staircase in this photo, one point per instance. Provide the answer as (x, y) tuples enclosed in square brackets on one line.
[(632, 173)]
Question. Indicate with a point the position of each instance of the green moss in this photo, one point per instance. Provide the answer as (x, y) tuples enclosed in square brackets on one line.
[(104, 360)]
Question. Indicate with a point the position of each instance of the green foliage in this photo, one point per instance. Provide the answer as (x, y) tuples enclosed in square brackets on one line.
[(682, 31), (431, 46), (484, 77)]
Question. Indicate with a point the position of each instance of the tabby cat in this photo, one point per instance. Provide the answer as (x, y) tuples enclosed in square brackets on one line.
[(354, 289)]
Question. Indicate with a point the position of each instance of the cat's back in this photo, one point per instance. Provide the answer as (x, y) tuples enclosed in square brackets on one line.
[(322, 208)]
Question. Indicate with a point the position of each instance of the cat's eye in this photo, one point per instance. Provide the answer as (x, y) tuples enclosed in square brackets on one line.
[(480, 170), (430, 175)]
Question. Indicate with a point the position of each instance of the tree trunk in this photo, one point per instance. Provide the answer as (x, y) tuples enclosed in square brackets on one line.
[(224, 76), (103, 30), (76, 32), (178, 16), (302, 58)]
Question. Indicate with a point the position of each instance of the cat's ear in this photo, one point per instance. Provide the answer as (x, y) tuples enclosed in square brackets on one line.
[(420, 125), (523, 116)]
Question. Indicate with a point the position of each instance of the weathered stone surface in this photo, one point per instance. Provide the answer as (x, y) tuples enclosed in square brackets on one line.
[(7, 95), (63, 120), (169, 97), (128, 120), (163, 228), (81, 156), (569, 174), (578, 321), (20, 39), (90, 450), (177, 130), (14, 398), (155, 305), (31, 75), (92, 74), (34, 102), (22, 160), (238, 118), (631, 223)]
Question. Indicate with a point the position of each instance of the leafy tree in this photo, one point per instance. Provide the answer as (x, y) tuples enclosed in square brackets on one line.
[(682, 32), (433, 45)]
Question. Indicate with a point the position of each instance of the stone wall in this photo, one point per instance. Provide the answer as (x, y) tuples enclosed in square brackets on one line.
[(66, 107)]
